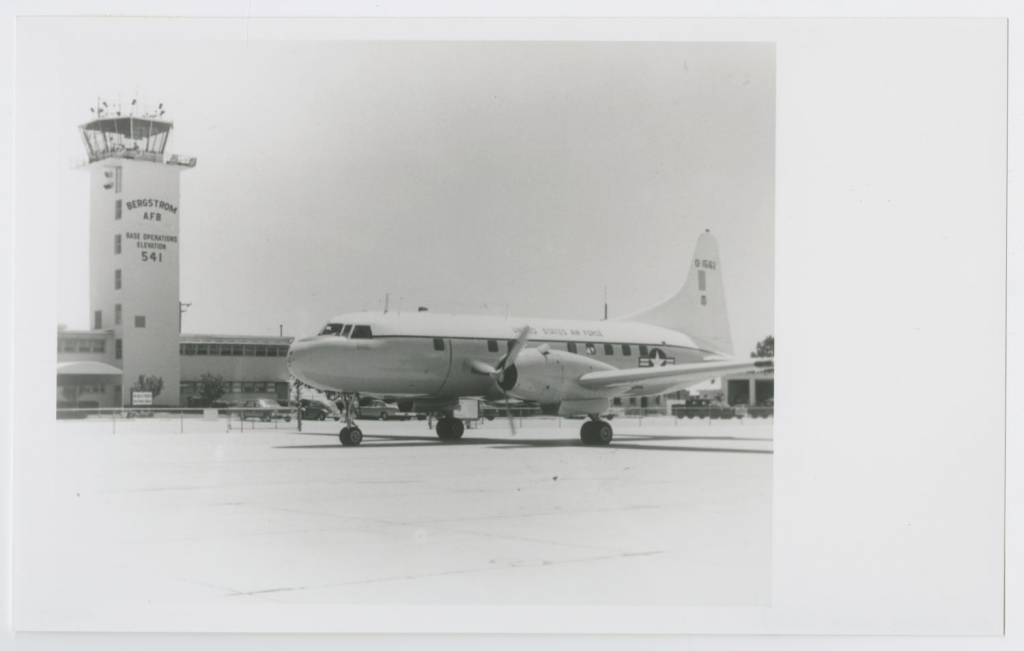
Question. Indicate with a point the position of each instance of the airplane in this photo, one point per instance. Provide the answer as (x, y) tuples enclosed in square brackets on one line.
[(569, 367)]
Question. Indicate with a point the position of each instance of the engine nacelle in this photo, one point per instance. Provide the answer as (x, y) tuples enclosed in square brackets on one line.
[(547, 376)]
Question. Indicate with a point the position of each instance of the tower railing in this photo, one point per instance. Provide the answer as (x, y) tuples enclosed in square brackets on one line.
[(131, 154)]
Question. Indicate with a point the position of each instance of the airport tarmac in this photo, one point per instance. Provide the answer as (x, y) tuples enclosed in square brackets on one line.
[(670, 514)]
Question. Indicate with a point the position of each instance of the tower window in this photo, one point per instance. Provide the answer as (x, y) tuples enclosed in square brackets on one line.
[(117, 244), (117, 208), (97, 320), (117, 179), (438, 344), (117, 314), (117, 279), (140, 322), (118, 349)]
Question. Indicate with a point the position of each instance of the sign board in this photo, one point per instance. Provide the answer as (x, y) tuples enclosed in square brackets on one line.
[(142, 398), (469, 409)]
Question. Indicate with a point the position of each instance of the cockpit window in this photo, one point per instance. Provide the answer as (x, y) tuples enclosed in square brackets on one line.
[(332, 329), (361, 332), (347, 331)]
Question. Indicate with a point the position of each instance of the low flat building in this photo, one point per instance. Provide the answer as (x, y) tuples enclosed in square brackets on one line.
[(253, 367), (89, 372)]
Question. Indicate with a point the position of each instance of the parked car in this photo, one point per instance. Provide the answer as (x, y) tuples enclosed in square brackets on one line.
[(764, 409), (316, 410), (377, 409), (265, 409), (703, 408)]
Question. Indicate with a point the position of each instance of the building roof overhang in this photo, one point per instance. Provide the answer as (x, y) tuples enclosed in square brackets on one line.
[(91, 369)]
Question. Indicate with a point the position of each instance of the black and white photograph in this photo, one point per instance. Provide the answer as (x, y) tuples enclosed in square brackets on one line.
[(532, 283), (413, 326)]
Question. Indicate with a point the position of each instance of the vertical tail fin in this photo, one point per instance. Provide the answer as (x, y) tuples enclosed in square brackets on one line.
[(698, 308)]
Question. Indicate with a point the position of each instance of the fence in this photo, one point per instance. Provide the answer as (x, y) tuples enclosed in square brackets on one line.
[(180, 419), (193, 420)]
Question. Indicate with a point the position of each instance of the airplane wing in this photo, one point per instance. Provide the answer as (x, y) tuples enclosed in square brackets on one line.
[(695, 372)]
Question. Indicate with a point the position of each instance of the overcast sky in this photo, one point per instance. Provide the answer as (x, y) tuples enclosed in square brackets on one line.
[(478, 177)]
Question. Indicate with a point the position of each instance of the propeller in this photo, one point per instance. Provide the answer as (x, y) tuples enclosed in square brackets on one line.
[(505, 373)]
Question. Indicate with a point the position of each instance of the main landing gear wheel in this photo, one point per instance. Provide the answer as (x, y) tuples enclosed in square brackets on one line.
[(350, 436), (596, 432), (383, 416), (449, 429)]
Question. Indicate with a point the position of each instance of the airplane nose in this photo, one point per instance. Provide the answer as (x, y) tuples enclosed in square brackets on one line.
[(316, 361), (299, 355)]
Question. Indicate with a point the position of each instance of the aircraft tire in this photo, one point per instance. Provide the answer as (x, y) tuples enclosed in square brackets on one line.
[(602, 433), (449, 429), (350, 436), (587, 433)]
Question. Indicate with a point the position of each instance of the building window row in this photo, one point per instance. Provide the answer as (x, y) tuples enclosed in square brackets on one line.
[(92, 388), (81, 346), (117, 209), (117, 279), (234, 350), (140, 322), (117, 314), (118, 349), (272, 386), (117, 244)]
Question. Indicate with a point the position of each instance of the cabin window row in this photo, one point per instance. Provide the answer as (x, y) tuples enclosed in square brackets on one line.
[(572, 347), (234, 350)]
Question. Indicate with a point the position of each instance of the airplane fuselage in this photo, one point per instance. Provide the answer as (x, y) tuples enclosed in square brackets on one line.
[(430, 355)]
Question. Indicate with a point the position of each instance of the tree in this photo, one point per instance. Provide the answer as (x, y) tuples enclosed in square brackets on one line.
[(211, 388), (150, 383), (765, 348)]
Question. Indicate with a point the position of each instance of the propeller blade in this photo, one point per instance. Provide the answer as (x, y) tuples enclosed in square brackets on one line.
[(517, 348), (482, 368), (508, 412)]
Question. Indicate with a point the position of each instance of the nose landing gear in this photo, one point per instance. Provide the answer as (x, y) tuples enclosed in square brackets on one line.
[(350, 434)]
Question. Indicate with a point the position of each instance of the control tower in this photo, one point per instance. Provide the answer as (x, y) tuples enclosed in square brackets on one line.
[(133, 249)]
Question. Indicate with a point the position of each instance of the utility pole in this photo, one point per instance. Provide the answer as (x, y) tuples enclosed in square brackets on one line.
[(182, 307)]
